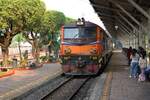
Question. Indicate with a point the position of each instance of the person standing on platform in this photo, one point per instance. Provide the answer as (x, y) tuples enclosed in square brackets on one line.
[(147, 70), (129, 52), (142, 52), (142, 65), (134, 64)]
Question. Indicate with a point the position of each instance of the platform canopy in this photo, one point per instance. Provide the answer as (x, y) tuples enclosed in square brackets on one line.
[(123, 18)]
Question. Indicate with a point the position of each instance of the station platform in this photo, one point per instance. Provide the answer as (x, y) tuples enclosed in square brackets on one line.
[(118, 85), (23, 81)]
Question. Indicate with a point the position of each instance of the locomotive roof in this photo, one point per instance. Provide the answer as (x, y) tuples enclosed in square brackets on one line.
[(87, 24)]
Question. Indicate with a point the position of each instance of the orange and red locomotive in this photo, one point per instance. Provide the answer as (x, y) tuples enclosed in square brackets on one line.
[(84, 48)]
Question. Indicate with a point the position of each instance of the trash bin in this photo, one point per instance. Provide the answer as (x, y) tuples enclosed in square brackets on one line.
[(14, 62)]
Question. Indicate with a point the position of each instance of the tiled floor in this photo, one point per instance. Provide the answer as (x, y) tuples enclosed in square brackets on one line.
[(123, 87)]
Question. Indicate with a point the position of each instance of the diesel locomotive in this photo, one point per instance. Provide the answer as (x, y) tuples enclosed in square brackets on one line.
[(85, 48)]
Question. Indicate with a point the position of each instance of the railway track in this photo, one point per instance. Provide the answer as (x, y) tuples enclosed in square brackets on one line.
[(67, 90)]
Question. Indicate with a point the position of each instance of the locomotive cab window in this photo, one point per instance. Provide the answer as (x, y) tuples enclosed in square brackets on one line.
[(71, 33), (80, 33)]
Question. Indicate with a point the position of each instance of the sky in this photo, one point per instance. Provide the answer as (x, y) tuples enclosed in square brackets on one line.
[(75, 9)]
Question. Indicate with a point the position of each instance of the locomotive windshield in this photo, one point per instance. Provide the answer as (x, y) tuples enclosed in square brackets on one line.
[(80, 32), (71, 32)]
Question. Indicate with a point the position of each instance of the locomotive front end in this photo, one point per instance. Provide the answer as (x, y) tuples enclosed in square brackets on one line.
[(80, 51)]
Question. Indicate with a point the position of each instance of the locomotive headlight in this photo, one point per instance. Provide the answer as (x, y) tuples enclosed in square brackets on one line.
[(66, 58), (60, 61), (67, 51), (94, 58)]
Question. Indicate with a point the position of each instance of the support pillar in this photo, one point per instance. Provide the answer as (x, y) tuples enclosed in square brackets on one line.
[(140, 42), (134, 42), (129, 42)]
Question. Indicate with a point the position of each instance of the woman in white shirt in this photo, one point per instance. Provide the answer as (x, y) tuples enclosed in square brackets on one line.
[(142, 64), (134, 64)]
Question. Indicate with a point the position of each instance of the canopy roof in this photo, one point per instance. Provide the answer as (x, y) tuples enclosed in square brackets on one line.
[(122, 18)]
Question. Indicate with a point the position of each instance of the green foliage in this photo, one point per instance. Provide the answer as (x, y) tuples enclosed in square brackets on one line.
[(57, 20), (44, 58), (52, 21), (19, 15), (69, 20), (56, 42), (10, 14), (30, 18), (34, 12), (20, 12), (18, 38)]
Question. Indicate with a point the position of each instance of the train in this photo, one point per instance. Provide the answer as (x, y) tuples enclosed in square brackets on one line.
[(84, 48)]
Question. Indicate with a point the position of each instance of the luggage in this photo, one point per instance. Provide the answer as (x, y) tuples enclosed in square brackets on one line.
[(141, 77)]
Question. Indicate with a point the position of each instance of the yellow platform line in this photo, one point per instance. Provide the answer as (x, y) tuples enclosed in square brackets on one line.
[(107, 86)]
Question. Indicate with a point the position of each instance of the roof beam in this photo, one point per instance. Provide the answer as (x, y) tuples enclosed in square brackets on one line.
[(105, 7), (120, 35), (125, 26), (104, 14), (107, 18), (139, 8), (126, 20), (124, 3), (101, 6), (127, 35), (126, 12), (120, 26)]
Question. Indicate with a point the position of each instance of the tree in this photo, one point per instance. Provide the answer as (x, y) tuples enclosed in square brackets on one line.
[(33, 23), (19, 38), (69, 20), (57, 19), (49, 29), (18, 16), (11, 23)]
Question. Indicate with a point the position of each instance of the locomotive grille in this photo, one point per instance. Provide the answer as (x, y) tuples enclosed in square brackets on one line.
[(88, 59)]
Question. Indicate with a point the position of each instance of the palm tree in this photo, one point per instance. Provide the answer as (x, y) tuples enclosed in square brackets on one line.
[(19, 38)]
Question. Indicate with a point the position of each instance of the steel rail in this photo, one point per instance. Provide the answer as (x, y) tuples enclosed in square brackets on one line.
[(55, 89), (75, 93)]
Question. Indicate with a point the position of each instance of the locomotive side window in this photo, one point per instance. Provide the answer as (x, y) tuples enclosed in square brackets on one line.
[(90, 32)]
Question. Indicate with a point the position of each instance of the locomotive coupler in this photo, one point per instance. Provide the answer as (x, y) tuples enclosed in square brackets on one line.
[(80, 63)]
